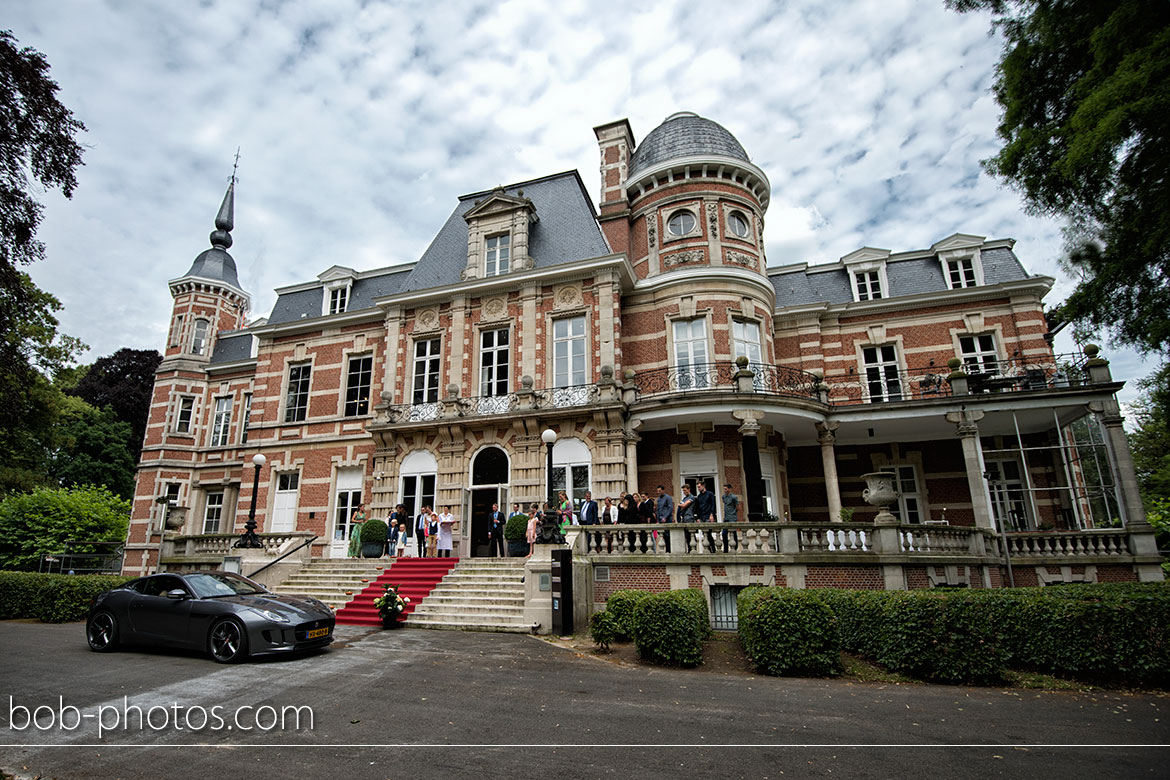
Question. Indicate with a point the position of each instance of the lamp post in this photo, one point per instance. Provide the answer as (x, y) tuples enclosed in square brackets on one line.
[(165, 502), (550, 525), (248, 539)]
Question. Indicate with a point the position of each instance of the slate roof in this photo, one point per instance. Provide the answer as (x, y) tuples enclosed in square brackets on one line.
[(911, 276), (217, 265), (291, 305), (232, 347), (684, 135), (566, 230)]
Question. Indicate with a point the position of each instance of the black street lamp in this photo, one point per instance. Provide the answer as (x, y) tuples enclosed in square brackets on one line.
[(249, 539), (550, 522)]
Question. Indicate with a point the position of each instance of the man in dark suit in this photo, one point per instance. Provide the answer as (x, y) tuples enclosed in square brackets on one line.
[(420, 530), (589, 517), (664, 508), (496, 524), (705, 511)]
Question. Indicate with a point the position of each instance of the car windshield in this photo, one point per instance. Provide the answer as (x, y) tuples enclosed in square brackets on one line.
[(214, 584)]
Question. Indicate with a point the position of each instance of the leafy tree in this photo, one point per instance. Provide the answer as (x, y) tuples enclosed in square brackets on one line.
[(93, 448), (37, 145), (1150, 439), (1085, 90), (39, 522), (124, 383)]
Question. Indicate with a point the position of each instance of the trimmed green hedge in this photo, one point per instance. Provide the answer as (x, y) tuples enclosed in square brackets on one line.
[(670, 627), (786, 631), (621, 606), (53, 598), (1113, 632)]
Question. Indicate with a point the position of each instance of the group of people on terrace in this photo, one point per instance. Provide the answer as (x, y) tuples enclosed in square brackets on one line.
[(431, 531)]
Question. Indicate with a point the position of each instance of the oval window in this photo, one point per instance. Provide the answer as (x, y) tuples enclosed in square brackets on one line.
[(681, 223), (738, 225)]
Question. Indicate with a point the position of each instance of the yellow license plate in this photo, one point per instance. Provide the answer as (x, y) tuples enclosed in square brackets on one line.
[(316, 632)]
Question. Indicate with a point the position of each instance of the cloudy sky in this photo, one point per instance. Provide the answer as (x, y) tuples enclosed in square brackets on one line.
[(360, 123)]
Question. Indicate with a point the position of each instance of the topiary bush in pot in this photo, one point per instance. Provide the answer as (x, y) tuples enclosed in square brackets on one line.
[(373, 536)]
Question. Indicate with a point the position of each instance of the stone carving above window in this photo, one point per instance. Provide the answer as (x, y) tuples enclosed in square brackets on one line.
[(568, 297), (679, 258), (739, 258), (427, 319), (495, 309)]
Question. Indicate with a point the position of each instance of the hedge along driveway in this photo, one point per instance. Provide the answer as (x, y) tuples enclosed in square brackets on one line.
[(53, 598)]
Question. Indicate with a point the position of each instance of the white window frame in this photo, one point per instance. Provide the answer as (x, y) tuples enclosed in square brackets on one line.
[(564, 374), (429, 390), (221, 423), (910, 502), (213, 505), (354, 404), (418, 467), (245, 418), (177, 332), (743, 217), (298, 411), (967, 265), (494, 360), (572, 457), (694, 209), (690, 350), (983, 357), (497, 254), (869, 284), (883, 367), (200, 336), (338, 300), (742, 345), (185, 414)]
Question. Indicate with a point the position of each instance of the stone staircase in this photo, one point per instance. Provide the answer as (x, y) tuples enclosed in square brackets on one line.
[(334, 581), (412, 577), (480, 594)]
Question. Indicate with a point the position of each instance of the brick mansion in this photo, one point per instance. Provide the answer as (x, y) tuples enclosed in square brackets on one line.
[(650, 333)]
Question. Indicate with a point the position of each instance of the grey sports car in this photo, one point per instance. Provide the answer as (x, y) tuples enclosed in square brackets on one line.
[(225, 614)]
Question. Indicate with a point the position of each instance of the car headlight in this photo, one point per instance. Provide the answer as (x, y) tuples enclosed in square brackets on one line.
[(268, 614)]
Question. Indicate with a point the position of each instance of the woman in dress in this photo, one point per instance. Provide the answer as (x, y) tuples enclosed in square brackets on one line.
[(446, 525), (565, 506), (403, 549), (533, 525), (355, 531)]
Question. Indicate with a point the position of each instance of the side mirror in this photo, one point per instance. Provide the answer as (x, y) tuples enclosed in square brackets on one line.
[(178, 594)]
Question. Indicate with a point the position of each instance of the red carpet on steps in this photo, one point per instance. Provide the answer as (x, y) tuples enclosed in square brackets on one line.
[(414, 578)]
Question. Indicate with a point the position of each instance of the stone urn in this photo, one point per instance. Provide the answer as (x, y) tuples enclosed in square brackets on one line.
[(880, 492)]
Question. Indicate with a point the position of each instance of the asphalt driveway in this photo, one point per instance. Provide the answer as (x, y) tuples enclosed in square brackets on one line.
[(422, 704)]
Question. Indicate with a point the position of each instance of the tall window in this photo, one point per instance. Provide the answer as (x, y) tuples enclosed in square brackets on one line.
[(978, 354), (909, 509), (869, 285), (426, 371), (1009, 499), (493, 362), (245, 418), (690, 353), (177, 333), (186, 410), (297, 398), (213, 513), (569, 352), (338, 300), (199, 333), (745, 340), (357, 385), (961, 273), (222, 422), (497, 255), (418, 490), (882, 380)]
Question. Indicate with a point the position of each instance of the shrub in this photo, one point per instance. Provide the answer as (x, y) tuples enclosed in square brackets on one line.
[(788, 631), (41, 521), (374, 532), (53, 598), (670, 627), (603, 629), (621, 606), (948, 637), (516, 528)]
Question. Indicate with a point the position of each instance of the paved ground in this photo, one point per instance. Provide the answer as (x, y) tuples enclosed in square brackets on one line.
[(446, 698)]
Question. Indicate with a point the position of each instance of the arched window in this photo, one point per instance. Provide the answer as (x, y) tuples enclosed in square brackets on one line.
[(572, 469), (490, 467), (200, 329), (416, 486)]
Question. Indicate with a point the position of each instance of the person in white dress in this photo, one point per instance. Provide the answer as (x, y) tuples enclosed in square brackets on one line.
[(446, 524), (403, 550)]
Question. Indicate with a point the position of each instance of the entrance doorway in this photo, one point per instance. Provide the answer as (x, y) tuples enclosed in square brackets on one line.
[(489, 485)]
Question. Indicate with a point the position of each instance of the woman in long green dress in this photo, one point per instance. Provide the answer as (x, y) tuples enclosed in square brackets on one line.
[(355, 531)]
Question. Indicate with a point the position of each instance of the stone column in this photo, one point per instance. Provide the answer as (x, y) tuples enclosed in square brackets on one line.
[(967, 426), (827, 436), (752, 476)]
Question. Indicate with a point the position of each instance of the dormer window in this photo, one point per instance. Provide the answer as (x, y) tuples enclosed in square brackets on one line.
[(497, 253), (336, 289), (338, 300), (200, 330), (962, 263), (867, 285)]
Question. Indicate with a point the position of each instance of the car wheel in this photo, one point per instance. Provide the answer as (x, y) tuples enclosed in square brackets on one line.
[(101, 630), (228, 643)]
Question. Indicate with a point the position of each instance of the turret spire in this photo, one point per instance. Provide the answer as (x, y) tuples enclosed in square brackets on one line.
[(221, 237)]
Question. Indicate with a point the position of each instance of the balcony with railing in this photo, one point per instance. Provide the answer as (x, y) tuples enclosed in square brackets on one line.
[(503, 404)]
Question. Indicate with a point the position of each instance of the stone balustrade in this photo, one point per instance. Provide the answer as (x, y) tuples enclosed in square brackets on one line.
[(219, 545), (1101, 542)]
